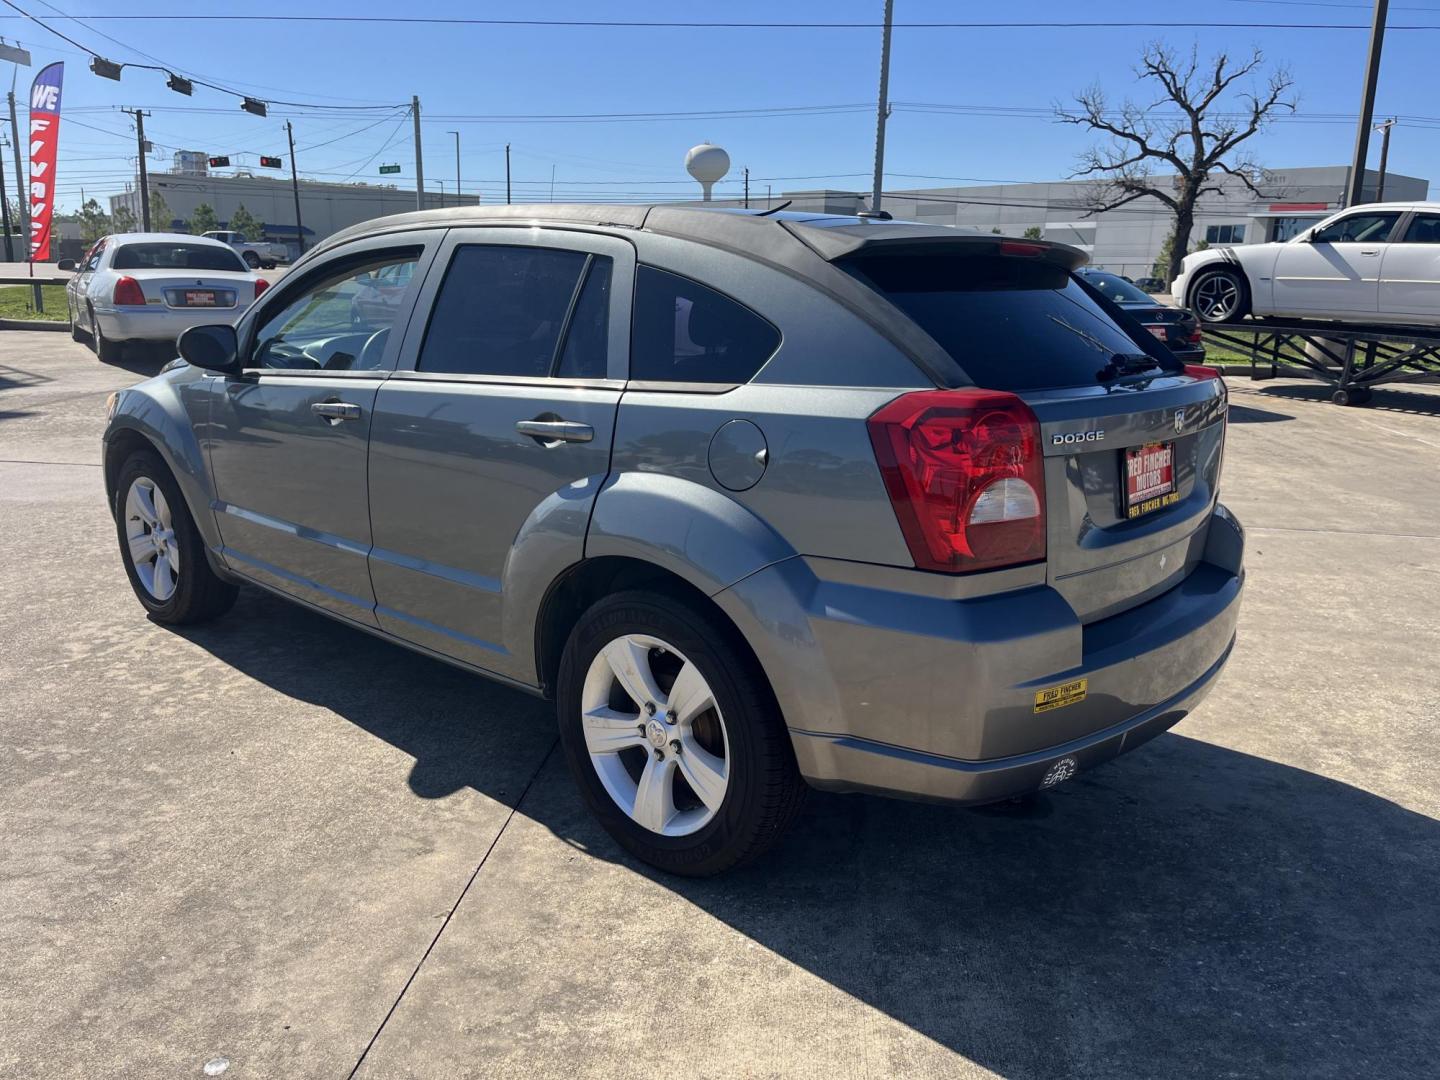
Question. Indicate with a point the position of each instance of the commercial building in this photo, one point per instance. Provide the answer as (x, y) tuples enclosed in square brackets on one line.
[(1129, 239), (324, 208)]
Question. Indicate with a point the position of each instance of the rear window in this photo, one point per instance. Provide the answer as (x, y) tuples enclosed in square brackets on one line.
[(175, 257), (1010, 323)]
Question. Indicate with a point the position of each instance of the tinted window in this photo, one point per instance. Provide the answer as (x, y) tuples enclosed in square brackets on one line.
[(684, 332), (339, 322), (500, 311), (1423, 229), (1356, 228), (1010, 323), (1116, 288), (175, 257), (588, 338)]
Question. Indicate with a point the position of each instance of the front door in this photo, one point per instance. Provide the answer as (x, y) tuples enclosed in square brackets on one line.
[(1337, 270), (493, 437), (1410, 272), (289, 436)]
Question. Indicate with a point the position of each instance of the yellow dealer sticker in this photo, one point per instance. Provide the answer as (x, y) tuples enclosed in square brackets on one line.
[(1057, 697)]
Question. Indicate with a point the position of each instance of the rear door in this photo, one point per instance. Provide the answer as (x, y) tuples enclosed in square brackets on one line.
[(1410, 271), (1115, 421), (492, 438), (288, 436), (1337, 270)]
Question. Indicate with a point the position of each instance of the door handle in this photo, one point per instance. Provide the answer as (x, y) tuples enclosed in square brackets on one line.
[(556, 430), (1372, 252), (332, 412)]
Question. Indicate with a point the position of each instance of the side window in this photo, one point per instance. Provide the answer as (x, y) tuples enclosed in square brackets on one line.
[(1423, 229), (1357, 228), (686, 332), (341, 322), (587, 340), (92, 260), (501, 310)]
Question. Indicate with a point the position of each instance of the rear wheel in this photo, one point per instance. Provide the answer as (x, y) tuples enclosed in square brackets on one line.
[(1219, 294), (161, 548), (673, 735), (108, 351)]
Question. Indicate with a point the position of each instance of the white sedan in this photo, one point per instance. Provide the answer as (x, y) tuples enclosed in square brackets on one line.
[(1378, 263), (151, 286)]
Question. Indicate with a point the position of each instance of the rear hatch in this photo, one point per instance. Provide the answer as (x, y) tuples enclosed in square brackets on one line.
[(1132, 441)]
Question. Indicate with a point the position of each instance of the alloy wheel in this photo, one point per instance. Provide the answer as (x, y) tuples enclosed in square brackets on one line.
[(1217, 296), (150, 534), (655, 735)]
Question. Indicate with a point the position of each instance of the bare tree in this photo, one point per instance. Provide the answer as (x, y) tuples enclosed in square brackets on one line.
[(1197, 148)]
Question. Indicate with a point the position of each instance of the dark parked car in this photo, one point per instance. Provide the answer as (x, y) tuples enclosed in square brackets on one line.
[(1176, 327), (759, 501), (1150, 284)]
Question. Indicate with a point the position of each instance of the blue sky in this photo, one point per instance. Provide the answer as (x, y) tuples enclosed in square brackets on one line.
[(464, 72)]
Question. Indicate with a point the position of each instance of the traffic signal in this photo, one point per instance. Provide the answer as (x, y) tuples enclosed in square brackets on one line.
[(271, 162), (219, 162)]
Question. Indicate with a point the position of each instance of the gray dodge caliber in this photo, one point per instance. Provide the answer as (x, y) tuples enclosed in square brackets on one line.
[(761, 501)]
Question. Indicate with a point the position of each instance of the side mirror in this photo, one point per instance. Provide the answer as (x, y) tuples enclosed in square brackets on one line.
[(214, 348), (65, 264)]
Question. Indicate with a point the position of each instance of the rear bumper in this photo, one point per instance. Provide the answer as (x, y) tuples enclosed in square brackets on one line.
[(158, 323), (935, 698)]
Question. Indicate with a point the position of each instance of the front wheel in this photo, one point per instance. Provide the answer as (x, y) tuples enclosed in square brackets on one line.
[(1219, 294), (163, 552), (251, 260), (674, 736)]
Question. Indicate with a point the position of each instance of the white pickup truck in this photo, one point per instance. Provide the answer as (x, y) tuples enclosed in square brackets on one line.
[(256, 253)]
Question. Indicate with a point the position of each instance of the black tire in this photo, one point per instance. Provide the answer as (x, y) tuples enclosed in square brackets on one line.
[(251, 260), (765, 787), (200, 593), (267, 266), (108, 351), (1219, 294)]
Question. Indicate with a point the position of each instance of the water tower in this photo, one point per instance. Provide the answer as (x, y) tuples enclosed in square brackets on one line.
[(707, 164)]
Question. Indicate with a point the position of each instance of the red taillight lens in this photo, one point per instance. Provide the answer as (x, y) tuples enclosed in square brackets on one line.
[(128, 292), (1197, 335), (965, 473), (1200, 371), (1020, 247), (260, 286)]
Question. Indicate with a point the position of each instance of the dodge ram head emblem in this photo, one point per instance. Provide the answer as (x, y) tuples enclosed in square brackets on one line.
[(1179, 421)]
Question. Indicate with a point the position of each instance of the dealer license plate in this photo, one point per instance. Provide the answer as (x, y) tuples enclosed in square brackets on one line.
[(1158, 331), (199, 297), (1149, 478)]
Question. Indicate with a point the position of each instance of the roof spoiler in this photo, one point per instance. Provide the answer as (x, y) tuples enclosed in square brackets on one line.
[(883, 238)]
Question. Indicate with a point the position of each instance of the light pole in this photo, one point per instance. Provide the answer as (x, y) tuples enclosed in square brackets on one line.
[(882, 107), (457, 165), (1384, 129), (1355, 193)]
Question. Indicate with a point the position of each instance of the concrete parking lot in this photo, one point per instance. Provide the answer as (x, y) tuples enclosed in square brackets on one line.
[(282, 843)]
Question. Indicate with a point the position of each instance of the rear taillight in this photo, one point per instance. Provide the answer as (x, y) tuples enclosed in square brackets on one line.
[(128, 292), (260, 286), (1196, 336), (1200, 371), (1023, 248), (965, 473)]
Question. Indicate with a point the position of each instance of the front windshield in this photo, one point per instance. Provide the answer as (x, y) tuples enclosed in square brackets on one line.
[(1117, 288)]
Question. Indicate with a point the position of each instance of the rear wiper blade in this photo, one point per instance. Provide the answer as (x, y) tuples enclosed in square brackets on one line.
[(1126, 364)]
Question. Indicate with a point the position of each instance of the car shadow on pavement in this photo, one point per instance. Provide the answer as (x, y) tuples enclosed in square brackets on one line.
[(1185, 911), (1384, 399)]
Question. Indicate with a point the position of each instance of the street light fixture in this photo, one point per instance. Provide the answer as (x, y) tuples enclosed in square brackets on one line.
[(106, 69), (254, 105)]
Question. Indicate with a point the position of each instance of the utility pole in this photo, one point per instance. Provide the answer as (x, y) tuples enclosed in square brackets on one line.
[(139, 116), (1356, 191), (747, 187), (457, 165), (507, 174), (882, 107), (5, 211), (20, 188), (552, 183), (419, 162), (295, 188), (1384, 129)]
